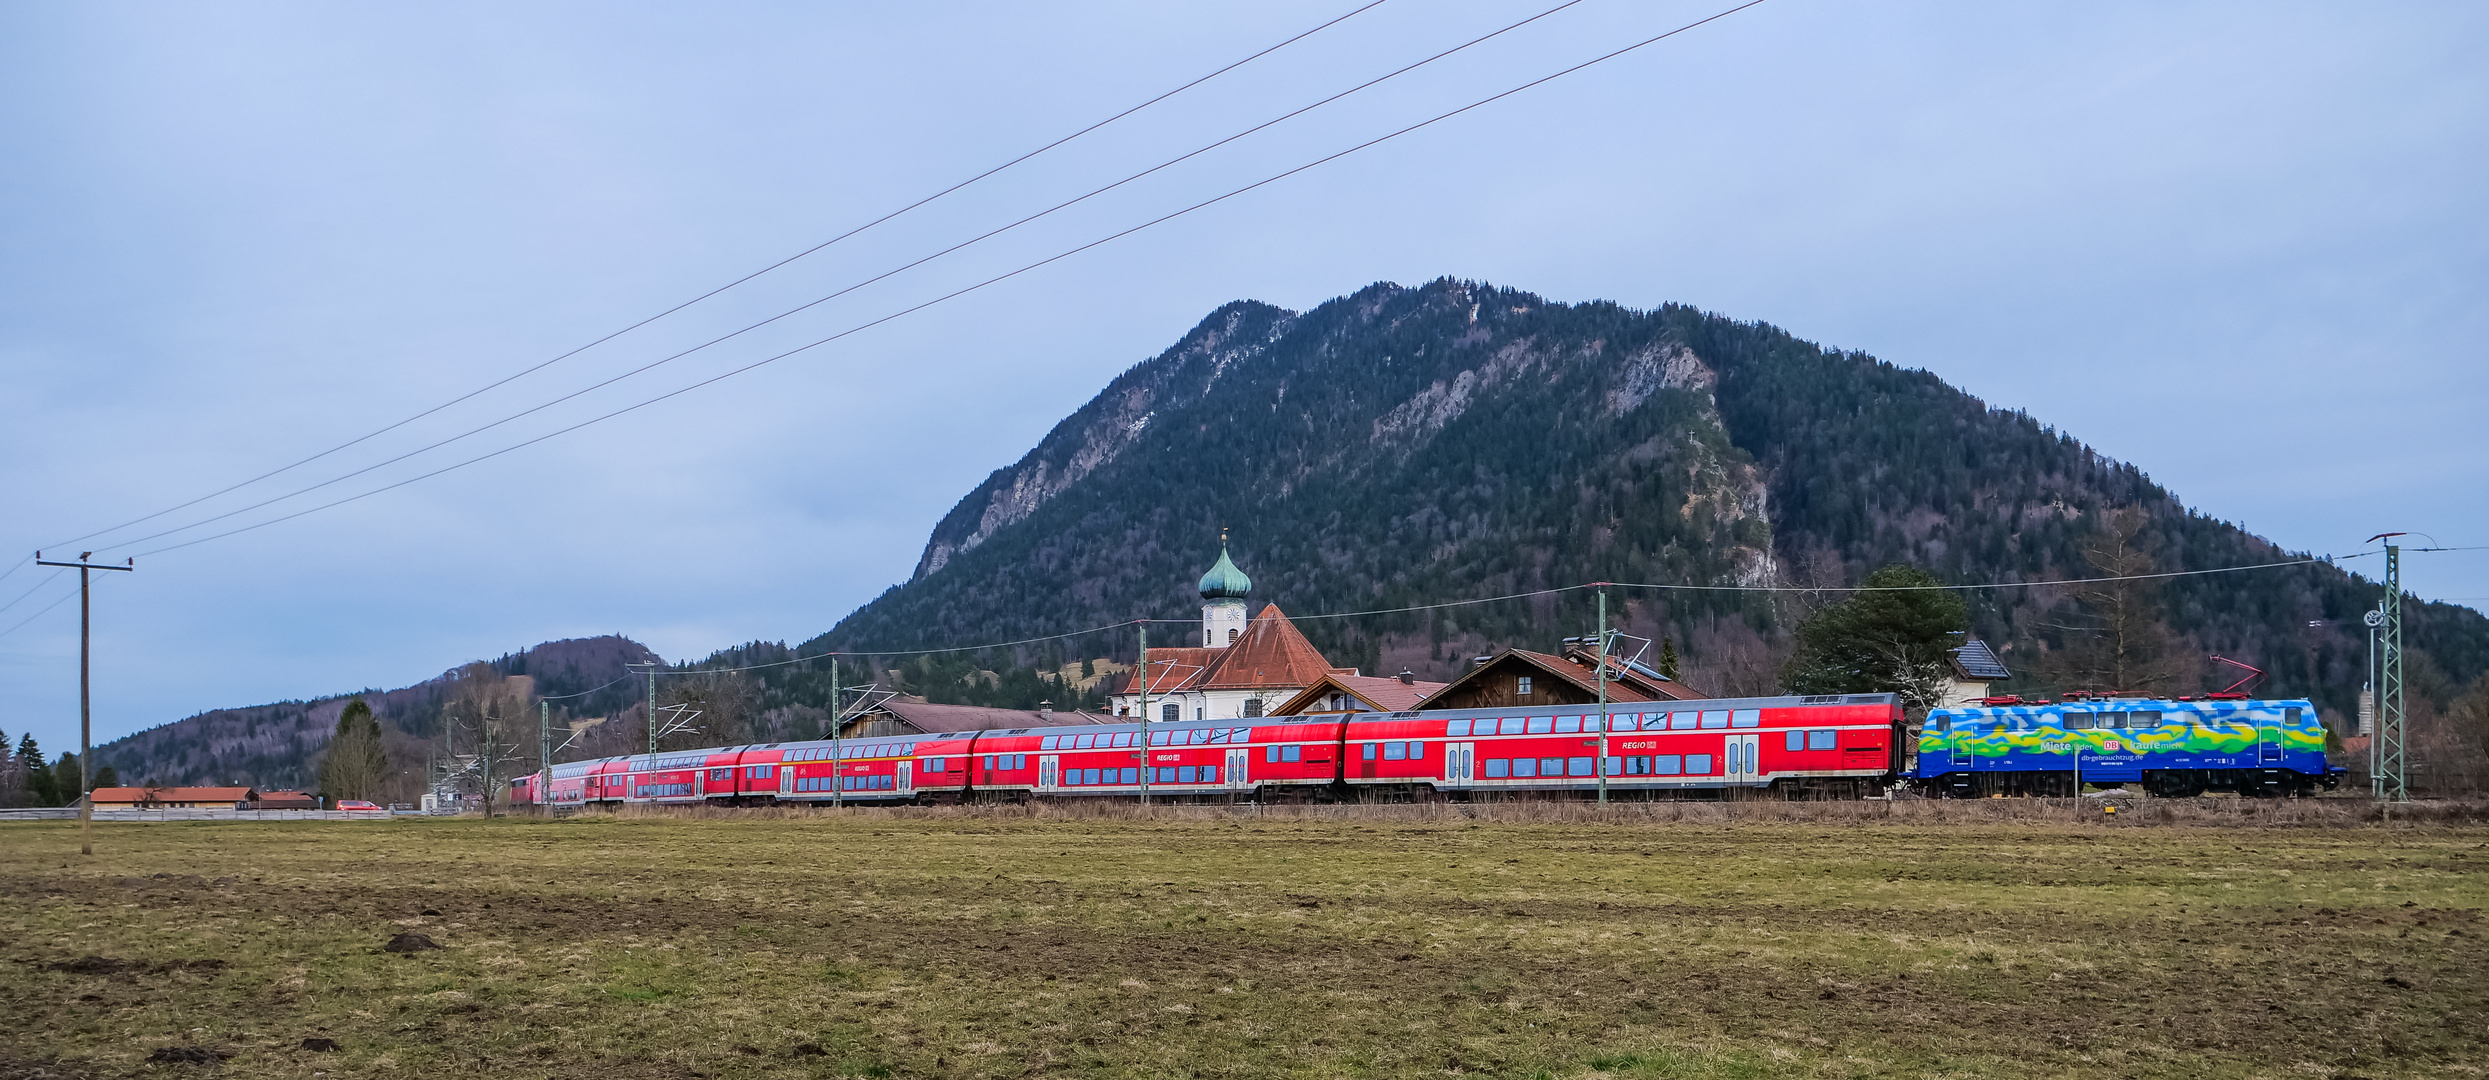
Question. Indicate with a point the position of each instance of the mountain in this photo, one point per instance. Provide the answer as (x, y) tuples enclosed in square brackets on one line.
[(1408, 446), (274, 745)]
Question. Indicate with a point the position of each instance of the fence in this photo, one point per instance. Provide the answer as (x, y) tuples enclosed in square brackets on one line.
[(193, 813)]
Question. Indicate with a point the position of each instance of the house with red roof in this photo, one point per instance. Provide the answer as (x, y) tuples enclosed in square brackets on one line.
[(1243, 667)]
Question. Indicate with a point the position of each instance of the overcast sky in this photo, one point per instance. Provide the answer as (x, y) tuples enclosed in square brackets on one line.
[(2240, 244)]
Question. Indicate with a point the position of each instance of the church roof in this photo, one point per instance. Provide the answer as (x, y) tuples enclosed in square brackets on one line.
[(1271, 654), (1225, 581)]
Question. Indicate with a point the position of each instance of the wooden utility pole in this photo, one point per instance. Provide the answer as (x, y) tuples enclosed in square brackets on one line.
[(1603, 720), (1145, 754), (86, 701)]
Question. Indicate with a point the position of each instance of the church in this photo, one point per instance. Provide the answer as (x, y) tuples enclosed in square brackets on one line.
[(1244, 666)]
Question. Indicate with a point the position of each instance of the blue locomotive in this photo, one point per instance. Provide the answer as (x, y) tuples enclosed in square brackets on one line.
[(2179, 747)]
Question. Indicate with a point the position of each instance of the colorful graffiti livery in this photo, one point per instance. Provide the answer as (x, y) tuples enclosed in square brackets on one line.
[(2169, 747)]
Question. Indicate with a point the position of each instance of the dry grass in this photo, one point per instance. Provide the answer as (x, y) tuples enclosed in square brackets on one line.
[(1559, 940)]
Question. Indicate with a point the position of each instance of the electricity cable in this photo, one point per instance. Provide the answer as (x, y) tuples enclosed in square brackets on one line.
[(893, 272), (688, 670), (997, 279), (741, 280), (21, 597)]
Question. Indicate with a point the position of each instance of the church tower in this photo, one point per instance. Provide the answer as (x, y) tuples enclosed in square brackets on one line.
[(1223, 591)]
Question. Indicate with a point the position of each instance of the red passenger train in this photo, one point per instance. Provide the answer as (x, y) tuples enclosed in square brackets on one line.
[(1828, 745)]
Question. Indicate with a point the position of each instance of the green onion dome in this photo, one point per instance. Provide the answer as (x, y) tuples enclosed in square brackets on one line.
[(1224, 581)]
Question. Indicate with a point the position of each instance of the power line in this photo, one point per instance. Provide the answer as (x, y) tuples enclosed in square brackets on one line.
[(884, 275), (997, 279), (1523, 596), (738, 281), (21, 597), (46, 609)]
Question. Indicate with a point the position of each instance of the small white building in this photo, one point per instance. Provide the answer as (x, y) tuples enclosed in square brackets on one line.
[(1975, 668)]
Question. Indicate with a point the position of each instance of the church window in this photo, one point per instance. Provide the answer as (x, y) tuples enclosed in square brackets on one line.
[(1171, 712), (1231, 635), (1521, 686), (1253, 707)]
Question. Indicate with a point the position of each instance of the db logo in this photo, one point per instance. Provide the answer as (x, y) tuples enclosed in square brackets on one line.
[(2114, 747)]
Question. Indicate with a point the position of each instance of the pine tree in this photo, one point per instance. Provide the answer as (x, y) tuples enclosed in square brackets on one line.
[(1894, 635), (105, 777), (356, 764), (37, 775), (68, 782), (1668, 657)]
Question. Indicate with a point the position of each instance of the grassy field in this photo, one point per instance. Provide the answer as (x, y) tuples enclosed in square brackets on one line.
[(1424, 942)]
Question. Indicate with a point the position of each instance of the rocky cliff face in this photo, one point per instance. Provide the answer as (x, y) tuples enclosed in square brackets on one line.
[(1092, 437), (1407, 446), (1382, 446)]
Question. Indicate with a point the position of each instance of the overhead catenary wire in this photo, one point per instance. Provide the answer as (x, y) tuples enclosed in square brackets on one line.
[(1334, 21), (690, 669), (988, 282), (38, 586), (852, 287)]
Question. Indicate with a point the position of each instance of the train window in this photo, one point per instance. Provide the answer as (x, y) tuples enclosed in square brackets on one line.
[(1510, 725), (1797, 741), (1541, 725), (1498, 768), (1579, 766), (2145, 718), (1746, 718), (1627, 722), (1271, 752), (1667, 765), (1615, 766), (1456, 729), (1568, 724), (2080, 721), (1551, 766), (1823, 740), (1209, 774), (1683, 721), (933, 764), (2290, 717), (1185, 775), (1046, 743), (1393, 751), (989, 763), (1698, 764), (1292, 753), (1132, 775), (1715, 719), (1527, 766), (1092, 776)]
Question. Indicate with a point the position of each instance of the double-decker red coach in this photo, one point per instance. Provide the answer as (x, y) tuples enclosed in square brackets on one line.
[(1827, 745)]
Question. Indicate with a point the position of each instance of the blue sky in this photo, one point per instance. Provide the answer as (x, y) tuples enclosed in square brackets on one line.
[(2239, 244)]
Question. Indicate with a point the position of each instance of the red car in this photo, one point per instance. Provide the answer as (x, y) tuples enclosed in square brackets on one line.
[(358, 804)]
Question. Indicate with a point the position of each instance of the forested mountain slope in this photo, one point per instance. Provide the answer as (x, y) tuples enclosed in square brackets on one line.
[(1404, 446), (274, 745)]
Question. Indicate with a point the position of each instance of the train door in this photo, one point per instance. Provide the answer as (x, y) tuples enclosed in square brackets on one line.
[(906, 781), (1236, 767), (1046, 769), (1740, 759), (1458, 761), (1958, 744), (2269, 737), (786, 781)]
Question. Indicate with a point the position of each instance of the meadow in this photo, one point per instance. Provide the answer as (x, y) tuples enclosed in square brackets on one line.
[(1564, 942)]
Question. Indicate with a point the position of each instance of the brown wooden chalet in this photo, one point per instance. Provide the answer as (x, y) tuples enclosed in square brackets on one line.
[(904, 716), (1521, 679), (1336, 693)]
